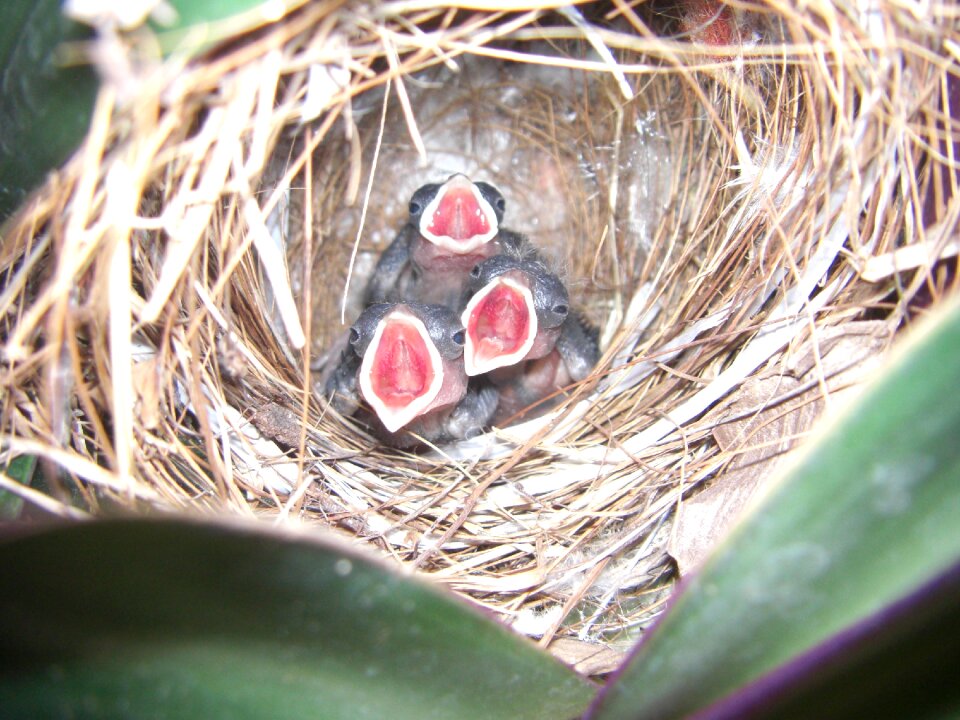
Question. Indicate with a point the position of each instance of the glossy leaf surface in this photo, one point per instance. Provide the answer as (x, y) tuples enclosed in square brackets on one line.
[(45, 105), (168, 618), (47, 94), (899, 663)]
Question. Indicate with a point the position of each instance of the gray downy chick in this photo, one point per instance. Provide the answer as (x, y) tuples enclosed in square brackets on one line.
[(404, 372), (451, 227), (521, 333)]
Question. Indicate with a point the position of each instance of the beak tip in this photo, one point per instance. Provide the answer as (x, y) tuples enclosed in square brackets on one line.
[(392, 424), (459, 219)]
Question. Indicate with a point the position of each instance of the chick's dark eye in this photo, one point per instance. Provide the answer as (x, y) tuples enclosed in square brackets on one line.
[(475, 273), (415, 207), (501, 204), (459, 338), (354, 336), (560, 309)]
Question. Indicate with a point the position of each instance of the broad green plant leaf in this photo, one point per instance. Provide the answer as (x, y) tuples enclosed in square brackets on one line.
[(868, 515), (200, 24), (899, 663), (46, 104), (183, 619), (21, 470)]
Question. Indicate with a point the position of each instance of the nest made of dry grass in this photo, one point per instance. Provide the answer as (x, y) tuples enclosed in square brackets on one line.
[(170, 295)]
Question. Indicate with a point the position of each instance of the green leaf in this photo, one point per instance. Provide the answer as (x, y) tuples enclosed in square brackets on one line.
[(899, 663), (20, 469), (179, 619), (869, 514), (44, 107), (201, 24)]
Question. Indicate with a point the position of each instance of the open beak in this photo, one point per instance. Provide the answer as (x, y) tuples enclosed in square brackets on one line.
[(459, 219), (402, 372), (501, 325)]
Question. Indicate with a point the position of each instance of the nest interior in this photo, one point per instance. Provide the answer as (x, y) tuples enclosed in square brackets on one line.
[(725, 192)]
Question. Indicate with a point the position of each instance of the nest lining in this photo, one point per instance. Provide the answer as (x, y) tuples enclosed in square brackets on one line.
[(693, 223)]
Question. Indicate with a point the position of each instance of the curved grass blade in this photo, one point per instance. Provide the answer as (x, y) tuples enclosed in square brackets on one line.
[(868, 515), (173, 618)]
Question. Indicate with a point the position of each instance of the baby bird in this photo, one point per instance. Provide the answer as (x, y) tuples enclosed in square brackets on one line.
[(540, 381), (406, 362), (452, 226), (521, 333), (513, 312)]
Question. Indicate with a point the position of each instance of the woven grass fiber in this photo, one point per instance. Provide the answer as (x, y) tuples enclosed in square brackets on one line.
[(723, 188)]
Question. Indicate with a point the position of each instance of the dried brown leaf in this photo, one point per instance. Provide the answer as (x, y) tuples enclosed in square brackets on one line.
[(767, 418)]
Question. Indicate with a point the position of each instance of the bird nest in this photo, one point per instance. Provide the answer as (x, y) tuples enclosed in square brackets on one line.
[(721, 190)]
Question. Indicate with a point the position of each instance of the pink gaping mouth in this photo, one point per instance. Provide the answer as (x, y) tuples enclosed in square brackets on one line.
[(401, 372), (501, 325), (459, 219)]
